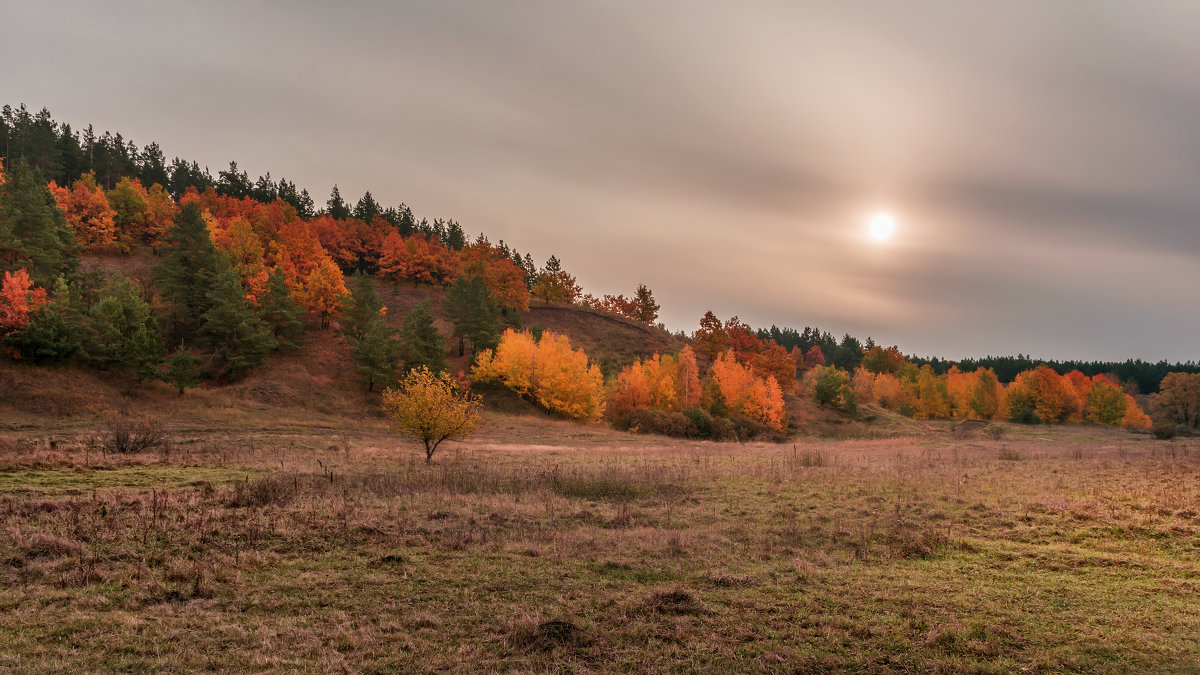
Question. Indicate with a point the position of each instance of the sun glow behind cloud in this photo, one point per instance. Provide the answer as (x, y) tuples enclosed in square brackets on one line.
[(882, 226)]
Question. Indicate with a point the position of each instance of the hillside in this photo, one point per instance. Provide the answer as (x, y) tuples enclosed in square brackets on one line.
[(315, 388)]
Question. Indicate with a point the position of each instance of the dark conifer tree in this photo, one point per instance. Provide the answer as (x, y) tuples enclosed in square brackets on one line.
[(422, 343), (364, 308), (281, 312), (187, 275), (33, 231), (233, 183), (367, 208), (377, 353), (183, 370), (152, 167), (122, 334), (474, 315), (232, 330), (336, 206)]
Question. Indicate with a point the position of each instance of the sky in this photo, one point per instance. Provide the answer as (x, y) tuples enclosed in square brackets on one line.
[(1041, 160)]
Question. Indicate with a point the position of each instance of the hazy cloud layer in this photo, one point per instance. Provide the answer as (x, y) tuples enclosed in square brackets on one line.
[(1041, 158)]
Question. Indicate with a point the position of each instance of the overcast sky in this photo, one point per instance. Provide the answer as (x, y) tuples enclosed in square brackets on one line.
[(1042, 160)]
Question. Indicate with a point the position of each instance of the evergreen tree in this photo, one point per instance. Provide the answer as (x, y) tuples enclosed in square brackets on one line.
[(336, 206), (264, 189), (234, 183), (474, 315), (47, 337), (365, 306), (152, 167), (645, 309), (367, 208), (33, 231), (848, 354), (453, 236), (70, 157), (422, 343), (232, 329), (377, 353), (530, 269), (281, 312), (182, 370), (187, 274), (121, 332)]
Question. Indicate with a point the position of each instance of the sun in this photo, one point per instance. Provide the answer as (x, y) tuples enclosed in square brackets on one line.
[(882, 226)]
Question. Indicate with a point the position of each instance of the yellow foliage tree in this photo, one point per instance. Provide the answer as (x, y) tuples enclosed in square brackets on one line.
[(548, 371), (431, 408), (687, 378), (934, 399), (765, 403)]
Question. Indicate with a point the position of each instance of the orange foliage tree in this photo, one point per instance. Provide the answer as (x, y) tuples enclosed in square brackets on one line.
[(661, 382), (418, 259), (18, 299), (505, 281), (324, 291), (744, 392), (710, 338), (88, 212), (1043, 393), (548, 371)]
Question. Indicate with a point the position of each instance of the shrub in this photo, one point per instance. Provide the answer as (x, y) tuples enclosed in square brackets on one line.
[(665, 422), (1165, 430), (128, 434)]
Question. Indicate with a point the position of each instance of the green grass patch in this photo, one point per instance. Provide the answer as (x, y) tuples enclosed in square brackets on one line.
[(79, 480)]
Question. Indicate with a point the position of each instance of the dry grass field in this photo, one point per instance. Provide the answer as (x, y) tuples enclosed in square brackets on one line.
[(546, 546)]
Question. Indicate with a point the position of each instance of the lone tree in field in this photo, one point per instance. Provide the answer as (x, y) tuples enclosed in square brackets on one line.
[(431, 408)]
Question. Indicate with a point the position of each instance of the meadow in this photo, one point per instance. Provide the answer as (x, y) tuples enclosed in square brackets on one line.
[(541, 545)]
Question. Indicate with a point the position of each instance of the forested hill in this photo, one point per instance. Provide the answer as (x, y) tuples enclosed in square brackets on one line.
[(63, 155), (847, 353)]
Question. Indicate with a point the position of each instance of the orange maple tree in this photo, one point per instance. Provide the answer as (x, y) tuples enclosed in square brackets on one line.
[(87, 212), (324, 291), (18, 300)]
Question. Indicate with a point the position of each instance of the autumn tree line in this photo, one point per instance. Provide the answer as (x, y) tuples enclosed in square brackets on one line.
[(847, 352), (244, 267)]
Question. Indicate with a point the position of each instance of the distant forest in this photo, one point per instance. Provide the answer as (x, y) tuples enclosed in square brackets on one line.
[(847, 353)]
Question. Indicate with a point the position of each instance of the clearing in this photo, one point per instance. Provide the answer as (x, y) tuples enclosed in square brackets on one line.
[(542, 545)]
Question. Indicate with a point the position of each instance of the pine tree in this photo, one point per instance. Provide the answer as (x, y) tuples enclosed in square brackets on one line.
[(473, 313), (33, 231), (645, 309), (281, 312), (366, 209), (232, 329), (182, 370), (365, 307), (122, 333), (453, 236), (422, 343), (377, 353), (55, 330), (336, 206), (188, 274)]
